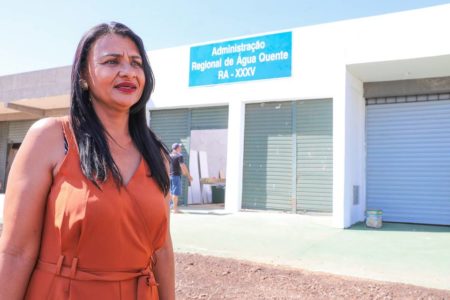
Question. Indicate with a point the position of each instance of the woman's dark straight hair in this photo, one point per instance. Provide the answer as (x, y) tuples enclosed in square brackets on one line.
[(91, 136)]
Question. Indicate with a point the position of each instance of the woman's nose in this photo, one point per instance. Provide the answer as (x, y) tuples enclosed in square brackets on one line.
[(127, 70)]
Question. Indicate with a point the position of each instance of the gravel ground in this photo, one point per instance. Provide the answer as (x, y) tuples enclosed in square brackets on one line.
[(206, 277)]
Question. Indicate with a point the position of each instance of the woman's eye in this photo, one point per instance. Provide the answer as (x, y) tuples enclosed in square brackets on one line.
[(111, 62), (136, 64)]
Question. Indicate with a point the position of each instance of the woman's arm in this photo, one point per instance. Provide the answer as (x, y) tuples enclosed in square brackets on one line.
[(165, 266), (165, 271), (28, 184)]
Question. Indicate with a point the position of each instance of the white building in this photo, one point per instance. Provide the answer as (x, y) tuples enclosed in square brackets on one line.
[(341, 117)]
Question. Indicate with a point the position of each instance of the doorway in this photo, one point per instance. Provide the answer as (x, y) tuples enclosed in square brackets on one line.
[(203, 132)]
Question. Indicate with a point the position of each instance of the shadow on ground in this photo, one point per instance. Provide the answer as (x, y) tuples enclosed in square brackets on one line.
[(390, 226)]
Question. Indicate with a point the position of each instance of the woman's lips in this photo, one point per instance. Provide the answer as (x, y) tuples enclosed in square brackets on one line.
[(126, 87)]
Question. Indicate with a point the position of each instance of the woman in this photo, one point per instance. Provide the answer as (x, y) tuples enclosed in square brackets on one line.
[(86, 213)]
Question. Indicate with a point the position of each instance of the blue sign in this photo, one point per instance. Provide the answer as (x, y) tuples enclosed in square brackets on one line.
[(264, 57)]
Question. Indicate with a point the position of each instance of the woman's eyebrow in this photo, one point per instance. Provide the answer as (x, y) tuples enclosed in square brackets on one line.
[(112, 54), (119, 55)]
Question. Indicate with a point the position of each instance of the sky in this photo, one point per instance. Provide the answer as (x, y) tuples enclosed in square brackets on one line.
[(44, 34)]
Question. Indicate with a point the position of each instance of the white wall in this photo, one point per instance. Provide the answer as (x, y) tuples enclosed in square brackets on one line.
[(399, 36), (313, 73), (214, 143), (318, 55)]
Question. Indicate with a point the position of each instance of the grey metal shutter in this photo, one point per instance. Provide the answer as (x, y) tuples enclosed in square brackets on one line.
[(18, 130), (267, 174), (4, 127), (314, 124), (172, 126), (408, 159), (209, 118)]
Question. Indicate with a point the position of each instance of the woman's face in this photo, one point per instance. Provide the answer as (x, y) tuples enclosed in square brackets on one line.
[(114, 73)]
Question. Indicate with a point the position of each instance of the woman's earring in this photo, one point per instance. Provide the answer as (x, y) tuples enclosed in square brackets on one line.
[(84, 85)]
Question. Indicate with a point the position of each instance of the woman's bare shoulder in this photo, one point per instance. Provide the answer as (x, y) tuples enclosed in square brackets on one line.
[(47, 126), (46, 130), (46, 136)]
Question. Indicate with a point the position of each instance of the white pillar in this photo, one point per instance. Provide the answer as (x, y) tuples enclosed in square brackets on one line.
[(355, 149), (339, 147), (235, 156), (348, 150)]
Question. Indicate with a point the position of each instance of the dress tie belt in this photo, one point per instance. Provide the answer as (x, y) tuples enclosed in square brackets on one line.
[(146, 285)]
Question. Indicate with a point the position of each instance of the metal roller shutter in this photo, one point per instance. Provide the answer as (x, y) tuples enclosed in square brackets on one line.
[(288, 156), (18, 130), (4, 127), (267, 180), (314, 155), (408, 158), (172, 126), (209, 118)]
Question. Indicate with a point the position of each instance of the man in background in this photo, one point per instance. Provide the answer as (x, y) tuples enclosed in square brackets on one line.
[(177, 168)]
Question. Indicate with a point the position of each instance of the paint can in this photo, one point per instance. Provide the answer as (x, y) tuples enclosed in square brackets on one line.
[(374, 218)]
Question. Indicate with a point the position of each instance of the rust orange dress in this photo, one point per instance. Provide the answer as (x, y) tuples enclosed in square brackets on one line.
[(99, 244)]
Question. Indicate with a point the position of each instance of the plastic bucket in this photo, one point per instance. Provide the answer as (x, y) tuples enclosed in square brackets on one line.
[(374, 218)]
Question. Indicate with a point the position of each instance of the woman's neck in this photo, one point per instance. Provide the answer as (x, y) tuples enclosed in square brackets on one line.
[(116, 125)]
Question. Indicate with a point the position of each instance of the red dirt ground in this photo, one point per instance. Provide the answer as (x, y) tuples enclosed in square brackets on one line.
[(206, 277)]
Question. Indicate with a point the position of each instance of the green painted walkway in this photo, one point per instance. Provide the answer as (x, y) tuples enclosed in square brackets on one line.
[(414, 254)]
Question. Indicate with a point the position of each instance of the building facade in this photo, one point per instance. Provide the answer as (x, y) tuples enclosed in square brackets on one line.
[(335, 118)]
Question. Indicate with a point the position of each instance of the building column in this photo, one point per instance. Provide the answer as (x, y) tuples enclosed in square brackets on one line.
[(355, 150), (235, 156), (339, 136), (348, 151)]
